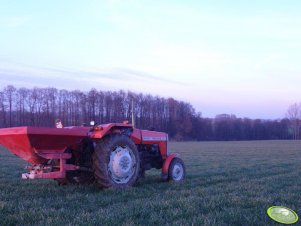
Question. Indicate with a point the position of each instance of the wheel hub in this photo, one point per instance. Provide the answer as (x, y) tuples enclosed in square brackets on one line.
[(177, 172), (122, 164)]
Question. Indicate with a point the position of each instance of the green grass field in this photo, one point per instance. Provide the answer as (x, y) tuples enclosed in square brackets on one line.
[(227, 183)]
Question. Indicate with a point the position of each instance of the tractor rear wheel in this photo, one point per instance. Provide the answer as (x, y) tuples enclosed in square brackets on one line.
[(177, 170), (116, 162)]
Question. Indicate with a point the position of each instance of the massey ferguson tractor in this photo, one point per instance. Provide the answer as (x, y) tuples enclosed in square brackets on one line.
[(112, 155)]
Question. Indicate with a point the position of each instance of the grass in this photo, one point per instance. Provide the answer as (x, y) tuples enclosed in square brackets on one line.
[(227, 183)]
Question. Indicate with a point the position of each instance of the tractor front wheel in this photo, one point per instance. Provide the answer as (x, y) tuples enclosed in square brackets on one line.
[(116, 162), (176, 171)]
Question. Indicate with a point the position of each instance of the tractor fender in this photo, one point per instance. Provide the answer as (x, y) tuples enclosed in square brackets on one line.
[(167, 162), (99, 132)]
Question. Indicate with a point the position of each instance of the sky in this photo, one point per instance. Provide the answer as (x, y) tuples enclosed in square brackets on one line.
[(235, 57)]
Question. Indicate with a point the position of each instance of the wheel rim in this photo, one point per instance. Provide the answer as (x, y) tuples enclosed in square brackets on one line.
[(122, 164), (177, 172)]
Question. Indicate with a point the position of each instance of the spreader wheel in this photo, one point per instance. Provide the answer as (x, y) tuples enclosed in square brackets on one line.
[(176, 171), (116, 162)]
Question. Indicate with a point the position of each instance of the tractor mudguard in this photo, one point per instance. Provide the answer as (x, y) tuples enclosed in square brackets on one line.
[(100, 131), (166, 164)]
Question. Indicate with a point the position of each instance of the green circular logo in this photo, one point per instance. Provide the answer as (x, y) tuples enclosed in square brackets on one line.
[(282, 214)]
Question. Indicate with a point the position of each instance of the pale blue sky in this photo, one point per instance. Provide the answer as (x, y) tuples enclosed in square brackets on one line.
[(240, 57)]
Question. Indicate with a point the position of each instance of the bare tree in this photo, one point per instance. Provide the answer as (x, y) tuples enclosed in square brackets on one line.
[(49, 109), (2, 110), (294, 115), (22, 94), (9, 91)]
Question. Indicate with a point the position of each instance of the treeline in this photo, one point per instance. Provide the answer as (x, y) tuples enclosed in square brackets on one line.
[(41, 106)]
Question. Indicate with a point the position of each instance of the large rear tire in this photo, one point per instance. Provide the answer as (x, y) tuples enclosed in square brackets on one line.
[(116, 162)]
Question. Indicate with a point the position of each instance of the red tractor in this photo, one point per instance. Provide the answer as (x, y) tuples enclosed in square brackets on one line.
[(113, 155)]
